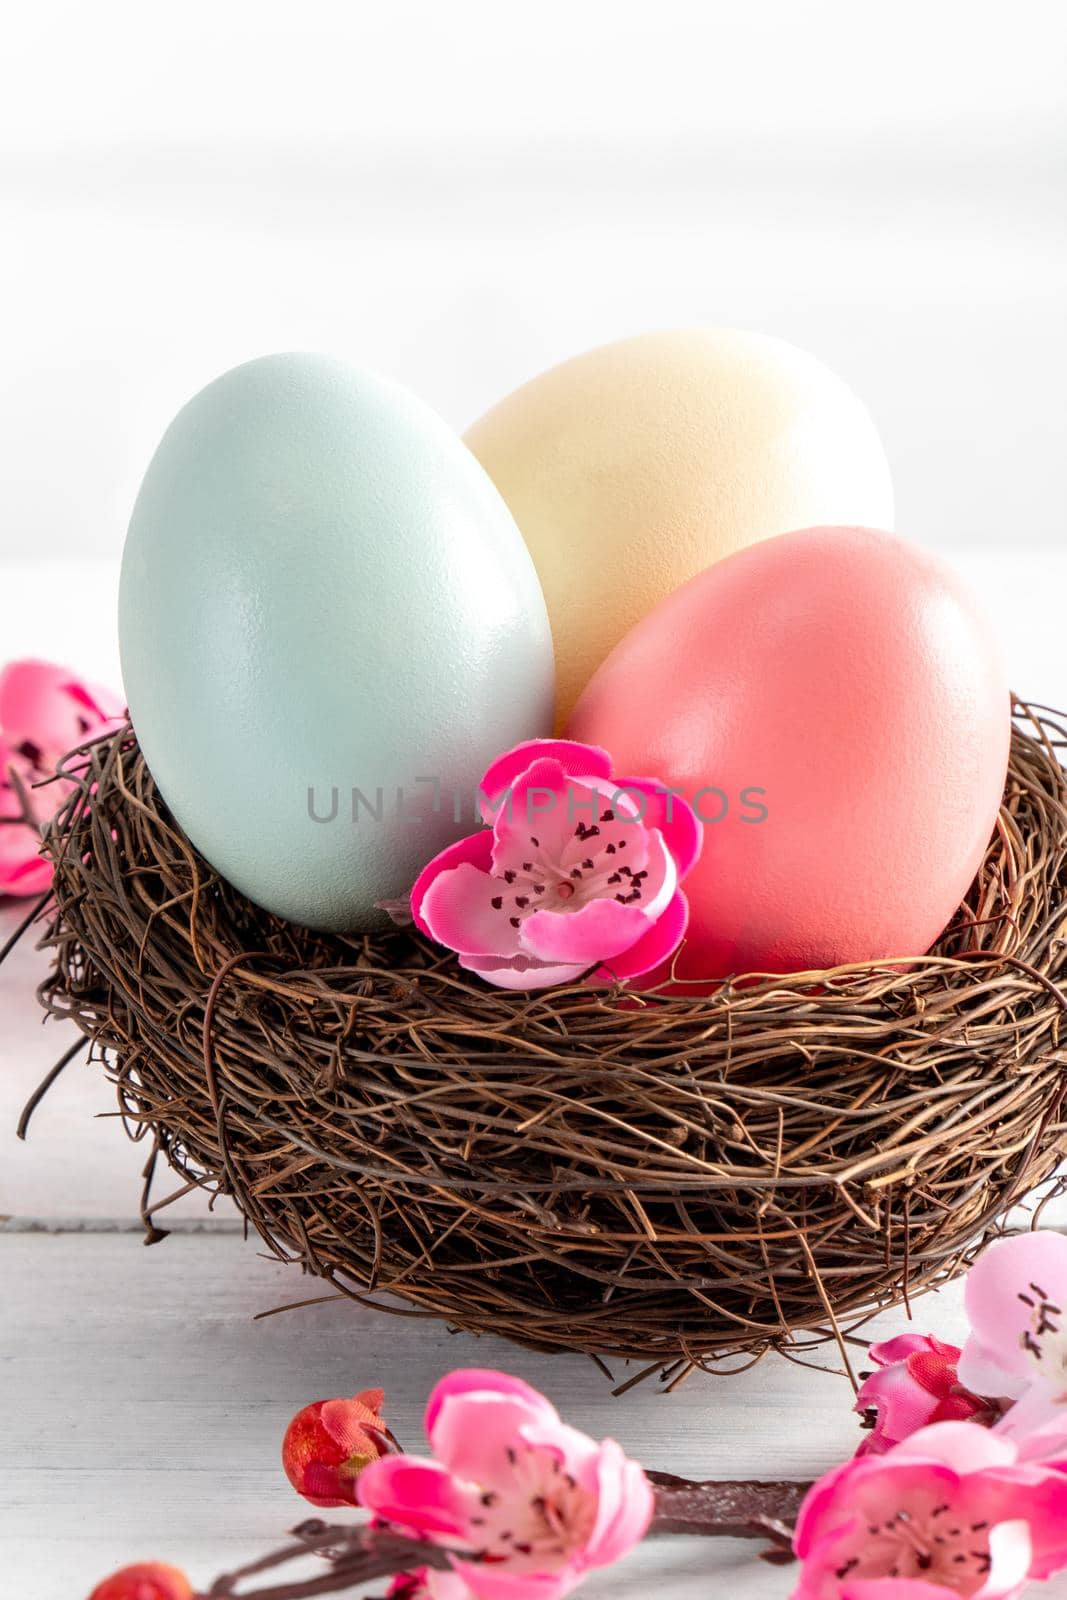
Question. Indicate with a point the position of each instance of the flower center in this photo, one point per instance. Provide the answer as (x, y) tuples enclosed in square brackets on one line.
[(940, 1545), (538, 1517), (589, 864), (1045, 1339)]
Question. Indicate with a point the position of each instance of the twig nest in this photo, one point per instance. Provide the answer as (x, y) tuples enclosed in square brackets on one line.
[(657, 1176)]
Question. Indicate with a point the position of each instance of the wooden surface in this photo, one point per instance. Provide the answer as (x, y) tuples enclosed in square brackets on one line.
[(144, 1408), (142, 1403)]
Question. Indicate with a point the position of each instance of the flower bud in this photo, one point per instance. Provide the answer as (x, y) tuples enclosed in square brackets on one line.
[(146, 1580), (329, 1442)]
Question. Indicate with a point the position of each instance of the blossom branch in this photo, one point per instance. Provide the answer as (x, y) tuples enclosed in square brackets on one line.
[(744, 1509), (356, 1556), (967, 1494), (359, 1555)]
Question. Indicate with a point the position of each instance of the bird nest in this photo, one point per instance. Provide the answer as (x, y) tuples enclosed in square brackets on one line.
[(657, 1176)]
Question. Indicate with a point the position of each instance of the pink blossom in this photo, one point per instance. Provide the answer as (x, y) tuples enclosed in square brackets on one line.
[(577, 870), (44, 712), (426, 1584), (914, 1385), (1016, 1301), (22, 872), (950, 1512), (540, 1503)]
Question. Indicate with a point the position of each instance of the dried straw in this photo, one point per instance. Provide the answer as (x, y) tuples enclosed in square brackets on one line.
[(674, 1181)]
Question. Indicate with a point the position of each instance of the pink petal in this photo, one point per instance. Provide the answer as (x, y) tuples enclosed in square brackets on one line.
[(962, 1446), (657, 944), (980, 1371), (475, 850), (419, 1495), (903, 1405), (457, 910), (865, 1487), (99, 703), (32, 878), (22, 871), (574, 1450), (818, 1507), (1002, 1274), (602, 928), (31, 694), (447, 1586), (672, 816), (889, 1351), (494, 1582), (44, 705), (577, 761), (625, 1503), (538, 820), (483, 1381), (1037, 1423), (893, 1589), (662, 876), (427, 1584), (474, 1432), (1042, 1503), (890, 1589), (521, 972)]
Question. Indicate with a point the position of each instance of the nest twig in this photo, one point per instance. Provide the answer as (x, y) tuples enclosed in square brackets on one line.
[(673, 1180)]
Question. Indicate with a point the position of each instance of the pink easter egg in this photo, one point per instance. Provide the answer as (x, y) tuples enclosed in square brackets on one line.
[(834, 704)]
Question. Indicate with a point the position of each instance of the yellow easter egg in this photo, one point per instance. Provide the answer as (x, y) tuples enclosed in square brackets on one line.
[(633, 467)]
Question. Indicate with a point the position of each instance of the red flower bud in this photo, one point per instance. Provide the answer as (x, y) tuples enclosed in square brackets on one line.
[(327, 1445), (147, 1580)]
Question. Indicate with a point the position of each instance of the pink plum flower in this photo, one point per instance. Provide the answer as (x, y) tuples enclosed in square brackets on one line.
[(537, 1502), (1016, 1302), (950, 1512), (915, 1383), (22, 872), (44, 712), (577, 870)]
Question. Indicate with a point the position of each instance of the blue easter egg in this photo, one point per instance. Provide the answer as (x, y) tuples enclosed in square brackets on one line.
[(329, 626)]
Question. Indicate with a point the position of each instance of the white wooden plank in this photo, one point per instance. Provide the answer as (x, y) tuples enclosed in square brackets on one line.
[(144, 1410)]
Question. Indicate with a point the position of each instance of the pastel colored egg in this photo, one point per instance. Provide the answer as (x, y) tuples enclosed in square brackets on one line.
[(633, 467), (330, 626), (834, 704)]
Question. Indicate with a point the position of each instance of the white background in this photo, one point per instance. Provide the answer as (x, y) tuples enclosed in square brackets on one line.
[(462, 193)]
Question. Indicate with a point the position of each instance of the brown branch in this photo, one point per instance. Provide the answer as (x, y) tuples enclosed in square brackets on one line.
[(45, 1084), (742, 1509), (356, 1556), (359, 1555)]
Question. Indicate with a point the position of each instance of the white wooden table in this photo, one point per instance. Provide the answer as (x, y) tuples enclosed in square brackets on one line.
[(142, 1405)]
